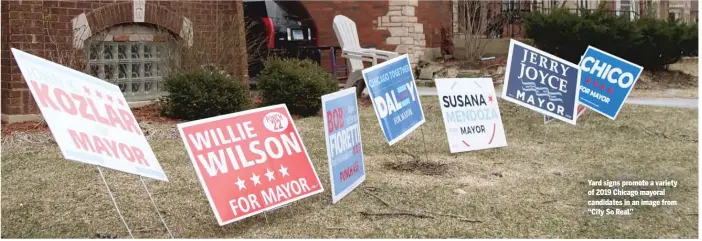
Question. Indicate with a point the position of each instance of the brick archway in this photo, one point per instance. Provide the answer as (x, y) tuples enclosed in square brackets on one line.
[(95, 21)]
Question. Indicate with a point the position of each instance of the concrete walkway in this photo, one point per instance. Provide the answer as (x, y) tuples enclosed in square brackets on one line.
[(691, 103)]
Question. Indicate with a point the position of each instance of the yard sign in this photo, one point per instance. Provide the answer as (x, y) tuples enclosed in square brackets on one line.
[(395, 99), (343, 136), (249, 162), (541, 82), (605, 81), (89, 118), (471, 114), (581, 110)]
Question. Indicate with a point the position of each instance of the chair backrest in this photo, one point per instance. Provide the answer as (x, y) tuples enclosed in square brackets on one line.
[(347, 34)]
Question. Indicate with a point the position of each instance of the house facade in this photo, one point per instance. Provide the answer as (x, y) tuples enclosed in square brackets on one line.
[(123, 41), (118, 40), (507, 14)]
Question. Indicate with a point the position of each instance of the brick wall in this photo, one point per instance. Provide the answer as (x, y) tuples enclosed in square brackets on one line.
[(46, 29), (366, 15), (363, 13), (434, 15)]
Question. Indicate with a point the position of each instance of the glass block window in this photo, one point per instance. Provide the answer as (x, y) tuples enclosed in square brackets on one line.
[(136, 67)]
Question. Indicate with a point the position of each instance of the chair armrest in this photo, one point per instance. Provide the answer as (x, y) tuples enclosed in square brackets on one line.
[(364, 56), (388, 54)]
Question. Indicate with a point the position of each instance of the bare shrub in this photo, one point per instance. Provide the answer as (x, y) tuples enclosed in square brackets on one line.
[(473, 26), (222, 48)]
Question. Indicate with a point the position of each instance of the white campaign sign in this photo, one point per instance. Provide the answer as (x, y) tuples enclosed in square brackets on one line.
[(471, 114), (89, 118)]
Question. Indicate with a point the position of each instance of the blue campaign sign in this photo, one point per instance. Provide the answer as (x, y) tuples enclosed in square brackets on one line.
[(605, 81), (541, 82), (581, 110), (395, 99), (343, 136)]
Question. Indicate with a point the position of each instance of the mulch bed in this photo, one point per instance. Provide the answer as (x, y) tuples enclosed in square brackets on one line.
[(26, 127), (477, 64), (146, 114)]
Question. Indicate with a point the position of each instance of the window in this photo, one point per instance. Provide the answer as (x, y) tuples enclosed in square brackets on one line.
[(137, 67), (509, 6), (671, 17), (627, 8), (583, 4), (554, 3)]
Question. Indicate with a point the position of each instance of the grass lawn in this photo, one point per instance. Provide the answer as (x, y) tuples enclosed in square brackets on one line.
[(534, 187)]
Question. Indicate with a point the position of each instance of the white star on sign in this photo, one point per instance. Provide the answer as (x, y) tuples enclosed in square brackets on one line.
[(255, 179), (240, 183), (283, 170), (269, 174)]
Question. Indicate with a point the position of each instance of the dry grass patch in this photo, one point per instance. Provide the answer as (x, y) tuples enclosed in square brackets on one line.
[(534, 187)]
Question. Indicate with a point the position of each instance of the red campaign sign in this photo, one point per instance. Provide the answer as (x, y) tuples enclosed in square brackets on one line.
[(250, 162)]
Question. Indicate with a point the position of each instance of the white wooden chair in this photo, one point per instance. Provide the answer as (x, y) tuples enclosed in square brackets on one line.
[(347, 34)]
